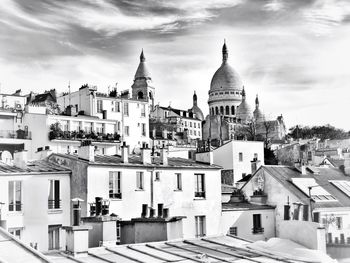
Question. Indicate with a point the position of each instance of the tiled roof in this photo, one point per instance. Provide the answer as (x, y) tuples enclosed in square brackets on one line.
[(136, 161), (40, 166), (284, 174), (209, 249), (229, 206)]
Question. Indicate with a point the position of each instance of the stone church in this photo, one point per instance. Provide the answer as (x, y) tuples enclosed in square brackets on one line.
[(230, 113)]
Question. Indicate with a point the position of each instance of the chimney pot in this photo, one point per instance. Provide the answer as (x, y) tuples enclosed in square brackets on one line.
[(144, 210), (125, 153), (151, 212), (164, 156), (160, 210), (98, 205), (165, 212)]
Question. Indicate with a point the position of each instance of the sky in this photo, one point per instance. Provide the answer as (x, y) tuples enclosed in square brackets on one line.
[(295, 54)]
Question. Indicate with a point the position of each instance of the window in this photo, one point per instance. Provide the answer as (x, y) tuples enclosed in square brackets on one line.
[(178, 181), (54, 237), (139, 180), (194, 125), (115, 187), (227, 110), (117, 106), (99, 106), (240, 157), (54, 201), (195, 133), (233, 231), (15, 232), (190, 124), (126, 130), (232, 110), (199, 185), (200, 226), (339, 222), (199, 133), (15, 196), (143, 110), (257, 229), (157, 176), (118, 126), (143, 129), (126, 109)]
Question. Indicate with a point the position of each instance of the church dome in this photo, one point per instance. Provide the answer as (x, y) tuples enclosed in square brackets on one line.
[(244, 111), (225, 77), (142, 71)]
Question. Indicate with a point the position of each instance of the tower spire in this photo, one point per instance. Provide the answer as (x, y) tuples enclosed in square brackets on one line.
[(243, 94), (257, 101), (224, 52), (194, 99), (142, 57)]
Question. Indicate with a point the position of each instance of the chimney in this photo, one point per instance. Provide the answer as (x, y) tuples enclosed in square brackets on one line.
[(144, 210), (98, 205), (151, 212), (146, 155), (301, 167), (160, 210), (77, 236), (255, 164), (165, 212), (125, 153), (20, 159), (87, 151), (164, 156)]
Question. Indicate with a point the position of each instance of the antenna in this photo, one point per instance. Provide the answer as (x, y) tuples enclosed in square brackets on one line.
[(70, 99)]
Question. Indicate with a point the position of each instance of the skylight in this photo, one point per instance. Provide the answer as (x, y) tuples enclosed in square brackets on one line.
[(343, 186), (318, 193)]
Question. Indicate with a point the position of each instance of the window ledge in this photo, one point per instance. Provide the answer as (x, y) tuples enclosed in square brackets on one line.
[(178, 190), (55, 211), (139, 190), (199, 198), (115, 199)]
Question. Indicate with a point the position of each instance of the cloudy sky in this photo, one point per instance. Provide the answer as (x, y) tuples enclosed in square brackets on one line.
[(294, 53)]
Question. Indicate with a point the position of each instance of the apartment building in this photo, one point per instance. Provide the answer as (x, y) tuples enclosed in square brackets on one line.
[(35, 202), (187, 188)]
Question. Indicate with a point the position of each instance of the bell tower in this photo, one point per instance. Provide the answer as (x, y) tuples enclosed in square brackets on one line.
[(142, 88)]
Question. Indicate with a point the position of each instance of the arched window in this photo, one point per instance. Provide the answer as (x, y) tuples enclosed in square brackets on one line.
[(212, 111), (150, 95), (216, 110), (227, 110), (232, 110), (221, 109), (140, 95)]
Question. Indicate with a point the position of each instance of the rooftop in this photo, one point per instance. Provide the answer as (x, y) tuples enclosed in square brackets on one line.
[(322, 176), (41, 166), (136, 161), (209, 249), (244, 205)]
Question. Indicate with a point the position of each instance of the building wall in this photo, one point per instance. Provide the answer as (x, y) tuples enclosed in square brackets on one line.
[(227, 156), (243, 220), (277, 195), (180, 203), (35, 216)]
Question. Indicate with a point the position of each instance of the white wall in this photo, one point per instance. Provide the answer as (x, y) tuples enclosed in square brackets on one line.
[(181, 203), (243, 220), (35, 215), (227, 156)]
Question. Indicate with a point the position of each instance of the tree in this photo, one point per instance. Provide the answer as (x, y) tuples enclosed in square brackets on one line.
[(322, 132), (247, 130), (270, 157)]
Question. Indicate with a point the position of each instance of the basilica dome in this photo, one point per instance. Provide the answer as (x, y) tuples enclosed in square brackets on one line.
[(225, 77)]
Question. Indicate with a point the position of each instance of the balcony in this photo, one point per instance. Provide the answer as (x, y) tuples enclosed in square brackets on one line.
[(18, 134), (258, 230), (199, 194), (115, 195), (54, 204), (15, 207), (56, 134)]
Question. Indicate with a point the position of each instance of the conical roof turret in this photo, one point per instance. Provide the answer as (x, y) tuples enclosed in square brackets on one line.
[(142, 71)]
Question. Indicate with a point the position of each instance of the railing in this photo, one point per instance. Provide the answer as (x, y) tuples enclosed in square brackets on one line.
[(75, 135), (54, 204), (15, 207), (115, 195), (258, 230), (199, 194), (12, 134)]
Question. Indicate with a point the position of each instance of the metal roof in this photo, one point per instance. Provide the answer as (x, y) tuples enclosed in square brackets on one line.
[(40, 166), (210, 249)]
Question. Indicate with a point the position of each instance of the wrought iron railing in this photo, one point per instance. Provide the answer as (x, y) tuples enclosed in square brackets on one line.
[(258, 230), (18, 134), (54, 204), (199, 194)]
